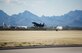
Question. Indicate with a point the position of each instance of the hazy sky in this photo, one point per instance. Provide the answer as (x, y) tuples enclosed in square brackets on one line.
[(40, 7)]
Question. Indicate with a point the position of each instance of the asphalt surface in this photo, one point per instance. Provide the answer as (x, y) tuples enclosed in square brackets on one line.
[(46, 50)]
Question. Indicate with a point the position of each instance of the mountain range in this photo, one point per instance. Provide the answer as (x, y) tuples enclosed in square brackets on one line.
[(72, 18)]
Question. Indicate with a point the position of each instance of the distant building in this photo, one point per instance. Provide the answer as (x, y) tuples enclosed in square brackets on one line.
[(25, 27), (59, 28)]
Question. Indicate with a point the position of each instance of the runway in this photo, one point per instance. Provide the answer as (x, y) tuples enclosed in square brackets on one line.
[(46, 50)]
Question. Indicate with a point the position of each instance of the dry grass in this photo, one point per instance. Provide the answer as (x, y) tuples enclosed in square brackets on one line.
[(30, 38)]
